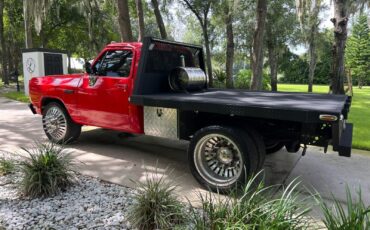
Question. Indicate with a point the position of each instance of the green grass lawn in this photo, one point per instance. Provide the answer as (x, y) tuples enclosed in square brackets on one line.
[(19, 96), (359, 114)]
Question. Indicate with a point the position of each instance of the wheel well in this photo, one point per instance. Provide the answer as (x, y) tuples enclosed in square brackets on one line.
[(48, 100)]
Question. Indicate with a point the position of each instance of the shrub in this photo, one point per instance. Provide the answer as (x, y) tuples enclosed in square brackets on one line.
[(219, 78), (243, 80), (256, 208), (219, 75), (6, 167), (357, 215), (47, 172), (155, 206)]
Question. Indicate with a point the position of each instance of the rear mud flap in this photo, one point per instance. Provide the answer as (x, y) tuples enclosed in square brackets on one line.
[(345, 142)]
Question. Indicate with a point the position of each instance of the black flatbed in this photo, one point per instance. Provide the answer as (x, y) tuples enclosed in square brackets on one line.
[(151, 88), (300, 107)]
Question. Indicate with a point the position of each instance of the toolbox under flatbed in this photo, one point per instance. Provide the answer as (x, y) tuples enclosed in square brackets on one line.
[(301, 107)]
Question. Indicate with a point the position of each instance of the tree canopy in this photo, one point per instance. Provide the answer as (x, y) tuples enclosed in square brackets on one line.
[(358, 51), (239, 36)]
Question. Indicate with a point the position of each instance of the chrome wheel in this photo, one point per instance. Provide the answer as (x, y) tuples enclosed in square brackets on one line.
[(55, 123), (218, 160)]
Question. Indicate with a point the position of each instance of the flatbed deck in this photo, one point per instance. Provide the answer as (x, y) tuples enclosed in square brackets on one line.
[(300, 107)]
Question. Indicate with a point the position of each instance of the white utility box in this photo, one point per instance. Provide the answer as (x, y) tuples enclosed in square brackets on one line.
[(42, 62)]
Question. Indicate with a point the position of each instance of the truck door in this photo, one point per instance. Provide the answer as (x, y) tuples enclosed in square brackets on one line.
[(103, 94)]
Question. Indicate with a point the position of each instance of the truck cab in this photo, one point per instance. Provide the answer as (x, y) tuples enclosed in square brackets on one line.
[(106, 87)]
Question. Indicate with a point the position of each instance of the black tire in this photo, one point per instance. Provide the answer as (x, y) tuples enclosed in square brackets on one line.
[(72, 130), (244, 157), (274, 147), (260, 144)]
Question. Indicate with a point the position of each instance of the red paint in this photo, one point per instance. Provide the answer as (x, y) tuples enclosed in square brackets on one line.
[(103, 104)]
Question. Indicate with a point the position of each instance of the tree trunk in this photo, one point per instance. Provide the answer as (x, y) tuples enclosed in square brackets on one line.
[(229, 47), (4, 72), (360, 83), (89, 21), (340, 36), (43, 39), (69, 62), (256, 83), (124, 20), (273, 65), (312, 65), (208, 53), (27, 27), (202, 16), (251, 64), (158, 17), (140, 14), (11, 57), (273, 56)]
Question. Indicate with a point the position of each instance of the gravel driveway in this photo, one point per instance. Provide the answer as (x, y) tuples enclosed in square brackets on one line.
[(92, 204)]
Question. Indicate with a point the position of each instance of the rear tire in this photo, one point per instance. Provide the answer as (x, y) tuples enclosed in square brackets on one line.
[(58, 125), (260, 144), (222, 158)]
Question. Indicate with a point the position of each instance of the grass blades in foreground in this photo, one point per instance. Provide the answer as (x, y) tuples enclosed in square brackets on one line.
[(256, 208), (47, 171), (155, 205), (355, 217)]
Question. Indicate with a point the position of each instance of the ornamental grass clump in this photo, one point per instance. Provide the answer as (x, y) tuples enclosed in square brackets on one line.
[(155, 206), (47, 171), (356, 216), (257, 208), (6, 167)]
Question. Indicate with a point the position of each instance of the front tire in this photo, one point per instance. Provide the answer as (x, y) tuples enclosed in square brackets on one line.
[(222, 158), (58, 125)]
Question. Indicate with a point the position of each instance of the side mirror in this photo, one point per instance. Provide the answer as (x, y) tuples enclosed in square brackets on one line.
[(88, 68)]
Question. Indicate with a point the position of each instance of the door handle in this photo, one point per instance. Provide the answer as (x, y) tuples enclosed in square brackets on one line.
[(69, 91), (122, 86)]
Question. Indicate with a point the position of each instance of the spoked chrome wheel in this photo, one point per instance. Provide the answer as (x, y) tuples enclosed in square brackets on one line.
[(55, 123), (218, 160)]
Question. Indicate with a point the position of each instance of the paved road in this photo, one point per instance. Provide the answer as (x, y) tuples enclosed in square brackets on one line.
[(119, 158)]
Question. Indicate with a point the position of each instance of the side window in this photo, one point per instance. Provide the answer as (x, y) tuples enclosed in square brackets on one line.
[(97, 65), (116, 63)]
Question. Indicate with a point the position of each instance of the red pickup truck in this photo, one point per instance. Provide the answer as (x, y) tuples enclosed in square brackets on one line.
[(159, 88)]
